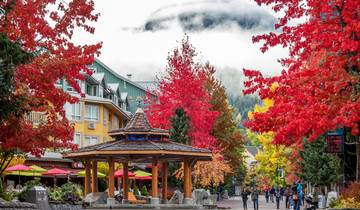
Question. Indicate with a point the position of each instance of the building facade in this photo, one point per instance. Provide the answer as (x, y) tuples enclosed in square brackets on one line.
[(110, 99), (108, 103)]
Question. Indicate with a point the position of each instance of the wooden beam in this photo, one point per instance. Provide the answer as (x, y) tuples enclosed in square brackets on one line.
[(154, 183), (87, 177), (164, 174), (138, 152), (111, 178), (94, 178), (126, 181), (187, 191)]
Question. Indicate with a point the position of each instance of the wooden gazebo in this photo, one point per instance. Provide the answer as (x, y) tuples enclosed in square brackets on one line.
[(139, 142)]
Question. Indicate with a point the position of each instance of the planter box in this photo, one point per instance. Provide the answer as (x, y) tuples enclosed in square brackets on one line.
[(65, 206)]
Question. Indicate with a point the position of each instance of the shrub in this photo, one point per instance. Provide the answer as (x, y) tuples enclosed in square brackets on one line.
[(72, 191), (55, 194), (136, 190), (144, 191), (350, 197), (352, 191), (68, 192)]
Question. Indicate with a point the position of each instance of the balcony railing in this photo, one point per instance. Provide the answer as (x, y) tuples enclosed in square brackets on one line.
[(36, 117)]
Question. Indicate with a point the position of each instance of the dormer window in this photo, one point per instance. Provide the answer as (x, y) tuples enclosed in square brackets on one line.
[(93, 69), (70, 88), (58, 83)]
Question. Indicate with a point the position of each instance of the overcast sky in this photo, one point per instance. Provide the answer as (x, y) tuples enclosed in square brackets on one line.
[(137, 35)]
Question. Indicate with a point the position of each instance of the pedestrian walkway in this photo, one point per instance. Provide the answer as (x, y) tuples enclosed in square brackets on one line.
[(236, 204)]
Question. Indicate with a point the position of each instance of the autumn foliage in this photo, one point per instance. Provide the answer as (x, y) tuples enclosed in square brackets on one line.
[(182, 86), (320, 87), (208, 173), (44, 29)]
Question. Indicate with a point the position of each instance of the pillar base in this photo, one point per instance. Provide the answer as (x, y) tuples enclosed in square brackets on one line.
[(155, 201), (165, 201), (110, 202), (188, 201)]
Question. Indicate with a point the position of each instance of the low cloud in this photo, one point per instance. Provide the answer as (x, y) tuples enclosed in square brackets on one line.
[(138, 39)]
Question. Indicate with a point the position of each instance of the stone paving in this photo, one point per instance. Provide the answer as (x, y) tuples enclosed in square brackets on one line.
[(235, 203)]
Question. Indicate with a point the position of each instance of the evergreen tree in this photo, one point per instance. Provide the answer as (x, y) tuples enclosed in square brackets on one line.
[(319, 167), (230, 141), (11, 55), (180, 127)]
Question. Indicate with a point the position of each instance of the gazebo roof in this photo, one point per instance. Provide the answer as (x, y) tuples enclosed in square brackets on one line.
[(139, 124), (139, 142), (139, 151)]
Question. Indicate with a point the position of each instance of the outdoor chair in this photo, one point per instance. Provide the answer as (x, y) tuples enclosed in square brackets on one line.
[(134, 200)]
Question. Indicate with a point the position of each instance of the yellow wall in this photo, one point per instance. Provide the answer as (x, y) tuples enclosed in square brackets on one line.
[(101, 128)]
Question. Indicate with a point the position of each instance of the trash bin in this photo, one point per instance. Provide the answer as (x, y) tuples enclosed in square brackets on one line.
[(39, 196)]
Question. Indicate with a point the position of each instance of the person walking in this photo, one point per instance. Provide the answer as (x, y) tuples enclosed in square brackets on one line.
[(267, 195), (316, 198), (295, 196), (272, 192), (255, 198), (219, 192), (287, 196), (277, 197), (300, 195), (244, 196)]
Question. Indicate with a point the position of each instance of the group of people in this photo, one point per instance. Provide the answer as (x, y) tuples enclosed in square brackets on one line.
[(294, 196)]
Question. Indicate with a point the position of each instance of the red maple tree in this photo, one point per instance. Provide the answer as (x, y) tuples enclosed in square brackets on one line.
[(320, 87), (182, 86), (44, 28)]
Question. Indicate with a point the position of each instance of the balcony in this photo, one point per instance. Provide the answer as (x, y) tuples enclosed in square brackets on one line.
[(36, 117)]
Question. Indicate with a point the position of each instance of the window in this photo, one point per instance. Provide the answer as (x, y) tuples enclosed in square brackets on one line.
[(101, 91), (94, 90), (90, 140), (116, 122), (77, 139), (106, 115), (58, 83), (92, 113), (70, 88), (88, 89), (93, 69), (115, 100), (73, 111), (110, 122), (124, 84)]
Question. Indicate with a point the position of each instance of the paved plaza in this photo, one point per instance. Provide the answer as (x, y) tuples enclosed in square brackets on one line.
[(236, 203)]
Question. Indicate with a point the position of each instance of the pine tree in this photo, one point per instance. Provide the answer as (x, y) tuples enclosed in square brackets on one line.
[(319, 167), (180, 127), (228, 136)]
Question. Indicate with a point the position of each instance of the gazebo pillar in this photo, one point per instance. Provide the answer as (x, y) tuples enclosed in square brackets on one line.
[(187, 182), (154, 183), (126, 182), (111, 199), (164, 173), (87, 177), (94, 178)]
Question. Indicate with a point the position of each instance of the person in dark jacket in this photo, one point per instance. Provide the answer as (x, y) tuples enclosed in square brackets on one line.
[(255, 198), (267, 194), (272, 193), (278, 197), (287, 196), (244, 196)]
